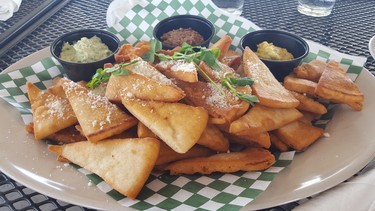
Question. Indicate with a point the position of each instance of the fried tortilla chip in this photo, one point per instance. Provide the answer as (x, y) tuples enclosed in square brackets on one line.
[(143, 82), (178, 125), (268, 90), (233, 60), (213, 139), (309, 104), (125, 164), (51, 112), (223, 44), (303, 86), (250, 159), (299, 135), (168, 155), (278, 144), (98, 117), (254, 140), (222, 107), (67, 135), (143, 131), (336, 86), (179, 69), (260, 119), (310, 71)]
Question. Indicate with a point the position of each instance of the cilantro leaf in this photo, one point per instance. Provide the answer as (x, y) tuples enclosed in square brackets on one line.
[(103, 75)]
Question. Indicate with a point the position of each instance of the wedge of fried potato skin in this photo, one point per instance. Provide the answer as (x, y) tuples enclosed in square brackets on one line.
[(178, 125), (98, 117), (51, 112), (260, 119), (303, 86), (223, 44), (168, 155), (278, 144), (179, 69), (125, 164), (335, 85), (310, 71), (309, 104), (299, 135), (139, 86), (250, 159), (268, 90), (221, 107)]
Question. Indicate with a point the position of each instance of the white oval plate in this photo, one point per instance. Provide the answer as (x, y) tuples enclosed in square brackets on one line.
[(328, 162)]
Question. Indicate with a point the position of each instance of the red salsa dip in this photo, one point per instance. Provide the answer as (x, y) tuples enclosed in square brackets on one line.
[(177, 37)]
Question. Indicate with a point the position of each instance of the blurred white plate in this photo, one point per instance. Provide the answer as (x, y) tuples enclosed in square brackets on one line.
[(371, 47)]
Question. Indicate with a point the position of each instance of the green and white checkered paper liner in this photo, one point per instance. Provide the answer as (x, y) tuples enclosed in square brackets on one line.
[(163, 192)]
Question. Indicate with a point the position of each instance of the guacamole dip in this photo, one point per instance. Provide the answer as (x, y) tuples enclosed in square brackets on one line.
[(85, 50), (269, 51)]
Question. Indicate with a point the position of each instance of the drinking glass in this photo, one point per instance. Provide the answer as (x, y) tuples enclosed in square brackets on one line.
[(231, 6), (316, 8)]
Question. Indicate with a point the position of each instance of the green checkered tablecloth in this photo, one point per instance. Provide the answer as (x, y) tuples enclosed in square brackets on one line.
[(162, 191)]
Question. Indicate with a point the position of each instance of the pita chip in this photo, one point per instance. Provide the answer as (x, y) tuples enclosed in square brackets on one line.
[(268, 90), (125, 164), (51, 112), (98, 118), (335, 85), (178, 125)]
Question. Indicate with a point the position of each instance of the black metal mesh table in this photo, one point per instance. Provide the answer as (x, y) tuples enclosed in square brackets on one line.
[(348, 30)]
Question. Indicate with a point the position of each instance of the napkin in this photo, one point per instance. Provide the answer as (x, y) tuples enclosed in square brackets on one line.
[(117, 10), (356, 194), (8, 7)]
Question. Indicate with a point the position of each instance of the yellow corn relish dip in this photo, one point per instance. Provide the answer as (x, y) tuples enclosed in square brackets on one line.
[(269, 51)]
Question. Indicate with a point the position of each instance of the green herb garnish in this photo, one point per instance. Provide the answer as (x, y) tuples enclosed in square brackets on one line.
[(194, 54), (155, 47), (102, 75), (230, 82), (197, 54)]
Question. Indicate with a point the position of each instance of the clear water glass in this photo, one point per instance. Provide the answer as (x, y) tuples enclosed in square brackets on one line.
[(231, 6), (316, 8)]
